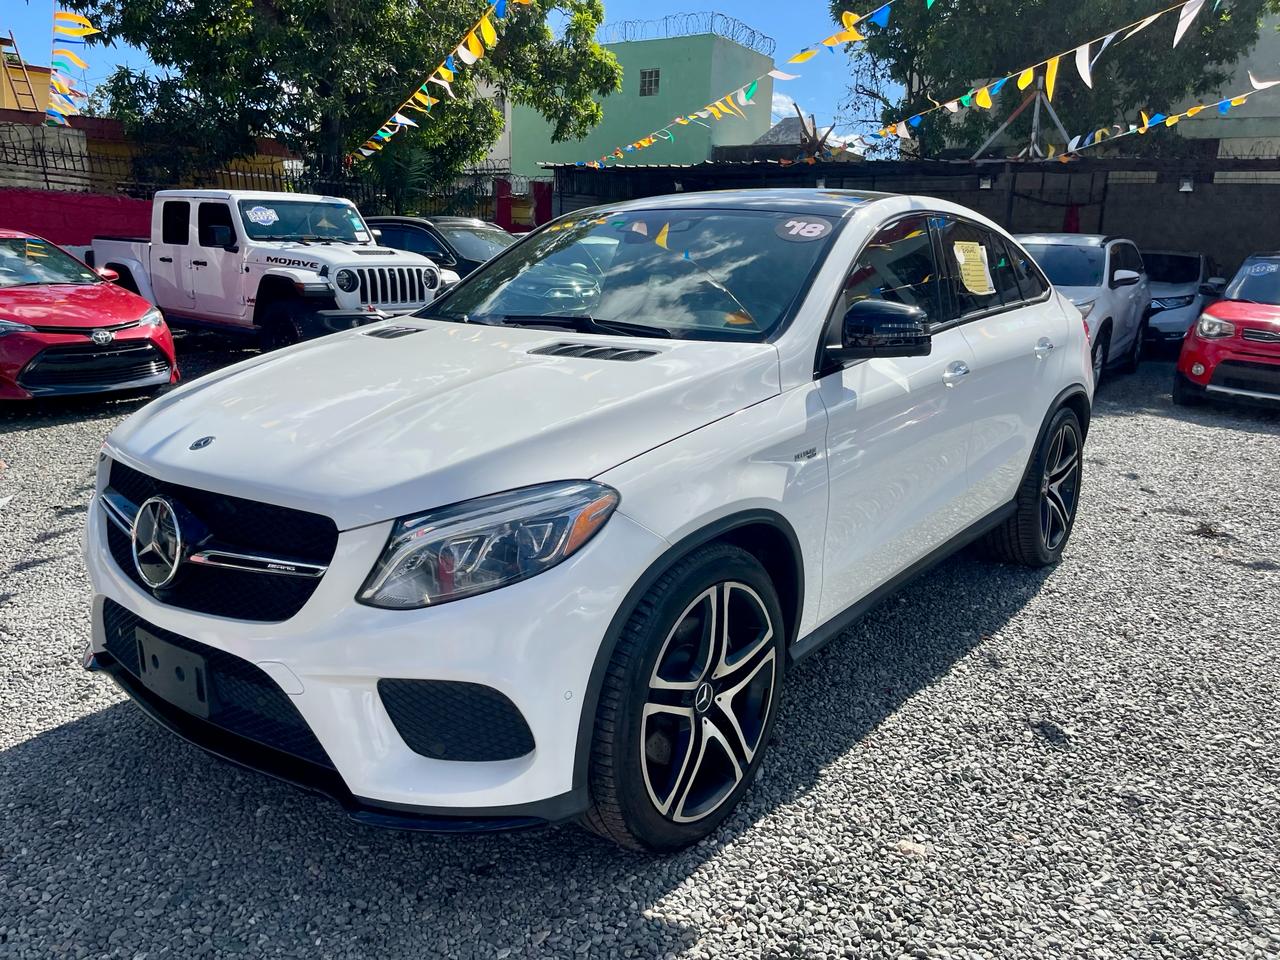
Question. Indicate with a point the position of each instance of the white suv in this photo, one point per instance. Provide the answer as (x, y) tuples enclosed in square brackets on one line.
[(1107, 281), (547, 549)]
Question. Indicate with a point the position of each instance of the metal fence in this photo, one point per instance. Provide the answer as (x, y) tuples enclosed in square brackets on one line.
[(685, 25)]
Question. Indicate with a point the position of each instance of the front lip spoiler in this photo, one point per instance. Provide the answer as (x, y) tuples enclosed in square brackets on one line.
[(326, 781)]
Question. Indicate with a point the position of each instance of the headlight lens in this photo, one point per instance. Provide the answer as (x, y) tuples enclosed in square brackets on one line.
[(1085, 307), (152, 318), (486, 543), (346, 280), (13, 326), (1172, 303), (1211, 328)]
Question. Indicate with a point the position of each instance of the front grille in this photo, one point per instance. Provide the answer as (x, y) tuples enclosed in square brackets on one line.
[(1243, 375), (242, 699), (234, 524), (452, 720), (1260, 336), (90, 365), (391, 286)]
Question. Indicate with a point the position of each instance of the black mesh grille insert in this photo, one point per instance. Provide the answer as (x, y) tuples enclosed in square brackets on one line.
[(86, 365), (243, 699), (448, 720), (244, 526), (1244, 375)]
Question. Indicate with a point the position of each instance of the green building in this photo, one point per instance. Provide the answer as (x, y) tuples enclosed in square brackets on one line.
[(664, 77)]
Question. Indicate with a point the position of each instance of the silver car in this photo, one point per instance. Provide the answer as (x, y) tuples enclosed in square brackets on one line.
[(1180, 290)]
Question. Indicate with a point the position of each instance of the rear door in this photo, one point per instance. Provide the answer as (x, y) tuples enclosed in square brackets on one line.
[(171, 256), (217, 277), (1017, 332), (898, 428)]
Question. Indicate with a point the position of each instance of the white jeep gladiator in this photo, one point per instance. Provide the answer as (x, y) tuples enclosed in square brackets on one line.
[(288, 266)]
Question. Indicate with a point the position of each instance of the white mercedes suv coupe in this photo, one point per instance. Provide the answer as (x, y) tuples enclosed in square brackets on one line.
[(547, 549)]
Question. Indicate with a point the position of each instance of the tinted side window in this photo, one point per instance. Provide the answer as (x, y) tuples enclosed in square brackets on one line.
[(1030, 282), (213, 215), (391, 236), (419, 241), (973, 257), (176, 222), (897, 265)]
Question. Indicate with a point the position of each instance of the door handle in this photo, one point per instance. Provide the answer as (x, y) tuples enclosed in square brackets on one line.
[(956, 370), (1044, 346), (199, 263), (166, 259)]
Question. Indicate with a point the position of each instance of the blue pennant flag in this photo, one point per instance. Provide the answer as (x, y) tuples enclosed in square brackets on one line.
[(449, 64), (995, 87), (915, 121), (1223, 107), (500, 8), (880, 18), (1158, 118)]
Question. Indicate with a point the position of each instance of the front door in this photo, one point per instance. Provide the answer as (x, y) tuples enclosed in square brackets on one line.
[(217, 276), (898, 429), (171, 257)]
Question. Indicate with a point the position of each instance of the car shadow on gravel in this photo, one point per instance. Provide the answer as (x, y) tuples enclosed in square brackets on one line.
[(120, 837)]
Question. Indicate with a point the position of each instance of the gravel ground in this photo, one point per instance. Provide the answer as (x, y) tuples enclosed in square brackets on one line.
[(997, 763)]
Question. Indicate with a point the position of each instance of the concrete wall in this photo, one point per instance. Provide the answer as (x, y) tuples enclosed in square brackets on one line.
[(694, 70), (1252, 129)]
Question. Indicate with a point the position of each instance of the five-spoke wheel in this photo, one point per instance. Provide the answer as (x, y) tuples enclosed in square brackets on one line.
[(1060, 486)]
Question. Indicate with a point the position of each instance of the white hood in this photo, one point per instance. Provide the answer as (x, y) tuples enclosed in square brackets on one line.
[(364, 429), (295, 255)]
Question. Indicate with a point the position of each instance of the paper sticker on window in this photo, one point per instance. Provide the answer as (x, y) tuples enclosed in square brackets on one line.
[(975, 272), (803, 230), (1262, 269), (362, 237), (263, 216)]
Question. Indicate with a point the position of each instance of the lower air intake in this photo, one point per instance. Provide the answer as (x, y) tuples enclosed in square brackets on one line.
[(448, 720)]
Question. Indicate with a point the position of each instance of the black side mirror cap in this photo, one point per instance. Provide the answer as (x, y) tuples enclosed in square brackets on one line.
[(1210, 290), (882, 328)]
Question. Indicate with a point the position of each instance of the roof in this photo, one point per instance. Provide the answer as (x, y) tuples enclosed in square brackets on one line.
[(1172, 253), (433, 221), (7, 234), (267, 195), (788, 130), (1068, 239), (832, 203)]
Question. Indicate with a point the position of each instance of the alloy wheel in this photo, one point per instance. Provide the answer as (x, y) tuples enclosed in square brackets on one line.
[(1060, 486), (708, 702)]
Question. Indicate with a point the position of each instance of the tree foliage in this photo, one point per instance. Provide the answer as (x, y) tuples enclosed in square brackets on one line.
[(938, 54), (322, 75)]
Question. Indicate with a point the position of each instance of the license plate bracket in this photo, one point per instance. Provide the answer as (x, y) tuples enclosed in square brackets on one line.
[(176, 675)]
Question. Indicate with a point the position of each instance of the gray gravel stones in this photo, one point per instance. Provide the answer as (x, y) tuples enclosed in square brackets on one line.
[(996, 763)]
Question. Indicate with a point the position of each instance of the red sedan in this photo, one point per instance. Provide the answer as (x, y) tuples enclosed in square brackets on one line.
[(1233, 350), (65, 329)]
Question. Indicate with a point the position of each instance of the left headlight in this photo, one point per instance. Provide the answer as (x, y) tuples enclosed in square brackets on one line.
[(152, 318), (13, 326), (486, 543), (346, 280)]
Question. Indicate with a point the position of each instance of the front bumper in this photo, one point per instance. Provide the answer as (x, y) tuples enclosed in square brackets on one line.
[(1231, 369), (1172, 325), (534, 642), (69, 364)]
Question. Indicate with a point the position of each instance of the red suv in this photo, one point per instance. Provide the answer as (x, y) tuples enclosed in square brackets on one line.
[(66, 329), (1233, 350)]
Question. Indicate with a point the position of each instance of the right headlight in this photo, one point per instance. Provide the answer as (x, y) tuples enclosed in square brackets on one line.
[(486, 543), (346, 280), (1211, 328), (13, 326)]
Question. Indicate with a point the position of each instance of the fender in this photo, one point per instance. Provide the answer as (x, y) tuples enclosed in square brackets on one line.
[(713, 531)]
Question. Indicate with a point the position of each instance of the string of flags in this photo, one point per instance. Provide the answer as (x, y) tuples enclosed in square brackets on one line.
[(70, 31), (853, 29), (1153, 121), (481, 38), (1084, 56)]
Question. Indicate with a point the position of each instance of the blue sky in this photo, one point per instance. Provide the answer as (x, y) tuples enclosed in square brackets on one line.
[(793, 24)]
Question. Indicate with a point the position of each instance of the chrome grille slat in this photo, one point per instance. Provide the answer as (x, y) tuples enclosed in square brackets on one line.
[(395, 286), (1261, 336)]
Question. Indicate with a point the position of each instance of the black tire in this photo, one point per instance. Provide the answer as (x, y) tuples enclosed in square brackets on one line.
[(1184, 394), (1133, 358), (1098, 355), (279, 327), (1025, 538), (630, 777)]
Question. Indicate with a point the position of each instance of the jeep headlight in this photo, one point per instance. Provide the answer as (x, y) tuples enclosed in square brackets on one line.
[(486, 543), (346, 280), (1211, 328)]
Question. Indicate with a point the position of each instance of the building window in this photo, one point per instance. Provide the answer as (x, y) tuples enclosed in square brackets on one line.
[(649, 83)]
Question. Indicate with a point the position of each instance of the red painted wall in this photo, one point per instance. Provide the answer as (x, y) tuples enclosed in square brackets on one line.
[(73, 218)]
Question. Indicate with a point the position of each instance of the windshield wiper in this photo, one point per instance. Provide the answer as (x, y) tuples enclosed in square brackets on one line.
[(585, 324)]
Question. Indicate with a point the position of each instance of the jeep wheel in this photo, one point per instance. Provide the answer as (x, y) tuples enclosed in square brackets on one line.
[(280, 327), (688, 702)]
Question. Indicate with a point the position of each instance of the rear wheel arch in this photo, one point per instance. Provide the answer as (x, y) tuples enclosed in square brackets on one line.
[(766, 535)]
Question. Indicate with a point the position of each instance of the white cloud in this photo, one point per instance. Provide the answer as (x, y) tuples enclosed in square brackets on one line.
[(783, 105)]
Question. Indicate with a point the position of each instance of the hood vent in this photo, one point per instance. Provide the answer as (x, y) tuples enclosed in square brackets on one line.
[(375, 251), (589, 351), (392, 333)]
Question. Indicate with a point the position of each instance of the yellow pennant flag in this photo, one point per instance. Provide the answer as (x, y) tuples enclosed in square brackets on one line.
[(727, 105), (69, 17), (74, 31), (1052, 151), (1237, 101), (1194, 110), (983, 98), (848, 19), (844, 36), (661, 238), (1025, 78), (803, 55), (444, 73), (59, 85), (72, 57), (1170, 121), (487, 32), (1051, 76), (426, 99), (474, 46), (715, 111), (1146, 122)]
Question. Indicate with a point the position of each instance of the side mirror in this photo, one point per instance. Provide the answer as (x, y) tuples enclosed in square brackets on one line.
[(1211, 289), (106, 273), (224, 237), (377, 234), (882, 328), (1125, 278)]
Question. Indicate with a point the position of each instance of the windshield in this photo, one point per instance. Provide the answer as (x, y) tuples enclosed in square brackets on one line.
[(302, 220), (694, 274), (28, 261), (1172, 268), (1256, 280), (1068, 266), (477, 243)]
